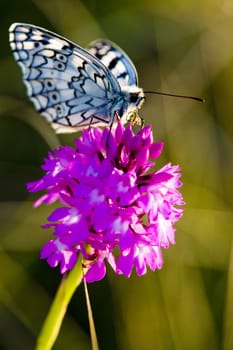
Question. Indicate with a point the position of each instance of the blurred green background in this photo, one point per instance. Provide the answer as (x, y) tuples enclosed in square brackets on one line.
[(177, 46)]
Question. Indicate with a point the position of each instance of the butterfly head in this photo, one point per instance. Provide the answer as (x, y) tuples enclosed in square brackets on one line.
[(135, 99), (136, 96)]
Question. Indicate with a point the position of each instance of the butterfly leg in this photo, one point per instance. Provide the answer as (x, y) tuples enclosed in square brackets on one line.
[(89, 126), (114, 119), (116, 116)]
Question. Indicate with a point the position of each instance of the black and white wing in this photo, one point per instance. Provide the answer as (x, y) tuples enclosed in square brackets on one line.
[(116, 60), (68, 85)]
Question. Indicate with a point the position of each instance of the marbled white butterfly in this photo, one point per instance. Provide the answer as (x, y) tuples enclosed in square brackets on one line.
[(72, 87)]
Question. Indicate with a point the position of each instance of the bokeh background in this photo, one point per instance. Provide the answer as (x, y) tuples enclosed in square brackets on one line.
[(177, 46)]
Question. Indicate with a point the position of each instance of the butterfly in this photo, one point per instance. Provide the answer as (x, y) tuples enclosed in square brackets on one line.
[(73, 87)]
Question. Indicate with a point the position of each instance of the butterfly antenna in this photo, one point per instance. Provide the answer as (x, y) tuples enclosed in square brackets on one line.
[(175, 95)]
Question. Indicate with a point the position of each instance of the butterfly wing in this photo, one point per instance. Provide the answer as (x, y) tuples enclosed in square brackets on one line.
[(116, 60), (67, 84)]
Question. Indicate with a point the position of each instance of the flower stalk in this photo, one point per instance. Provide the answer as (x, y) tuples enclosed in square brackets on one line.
[(55, 316)]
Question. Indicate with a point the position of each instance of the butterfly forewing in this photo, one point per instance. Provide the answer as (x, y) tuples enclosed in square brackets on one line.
[(70, 86)]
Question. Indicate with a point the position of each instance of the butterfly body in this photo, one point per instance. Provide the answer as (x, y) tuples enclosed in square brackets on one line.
[(70, 86)]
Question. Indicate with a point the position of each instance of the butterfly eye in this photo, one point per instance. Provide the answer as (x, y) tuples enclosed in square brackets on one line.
[(133, 97)]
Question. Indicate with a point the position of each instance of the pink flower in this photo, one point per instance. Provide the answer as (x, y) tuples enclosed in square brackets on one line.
[(112, 208)]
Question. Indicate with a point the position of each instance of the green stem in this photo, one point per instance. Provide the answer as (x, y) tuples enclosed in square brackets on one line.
[(53, 321)]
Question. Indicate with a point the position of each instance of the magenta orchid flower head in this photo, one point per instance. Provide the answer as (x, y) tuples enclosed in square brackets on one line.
[(113, 206)]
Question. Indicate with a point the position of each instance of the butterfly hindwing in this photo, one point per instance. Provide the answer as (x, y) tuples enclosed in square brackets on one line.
[(116, 60)]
